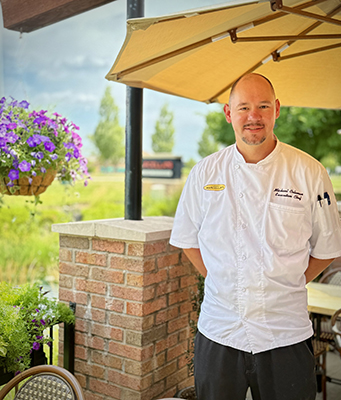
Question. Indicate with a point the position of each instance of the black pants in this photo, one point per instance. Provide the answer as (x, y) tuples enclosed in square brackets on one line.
[(224, 373)]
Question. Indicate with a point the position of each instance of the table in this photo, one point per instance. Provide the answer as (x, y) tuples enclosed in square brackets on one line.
[(323, 298)]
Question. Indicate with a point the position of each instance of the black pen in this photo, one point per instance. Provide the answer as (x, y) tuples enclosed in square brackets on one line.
[(319, 199)]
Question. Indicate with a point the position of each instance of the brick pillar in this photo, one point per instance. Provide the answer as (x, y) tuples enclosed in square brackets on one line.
[(133, 293)]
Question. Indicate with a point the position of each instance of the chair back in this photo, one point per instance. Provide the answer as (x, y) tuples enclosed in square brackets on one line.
[(336, 329), (45, 382), (333, 277)]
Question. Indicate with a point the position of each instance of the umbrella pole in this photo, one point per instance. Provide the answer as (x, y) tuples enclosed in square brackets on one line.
[(133, 157)]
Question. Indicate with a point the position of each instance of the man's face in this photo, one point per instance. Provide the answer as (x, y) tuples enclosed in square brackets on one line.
[(252, 111)]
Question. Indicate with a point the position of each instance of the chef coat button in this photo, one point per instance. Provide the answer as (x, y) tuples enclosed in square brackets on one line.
[(244, 226), (244, 258), (236, 166), (243, 289), (245, 318), (241, 195)]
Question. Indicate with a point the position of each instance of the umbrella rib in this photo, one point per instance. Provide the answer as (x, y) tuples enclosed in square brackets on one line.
[(276, 56), (203, 42), (304, 53), (307, 14), (284, 38)]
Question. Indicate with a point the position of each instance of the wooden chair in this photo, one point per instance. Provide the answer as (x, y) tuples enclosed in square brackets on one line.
[(320, 353), (336, 329), (44, 382)]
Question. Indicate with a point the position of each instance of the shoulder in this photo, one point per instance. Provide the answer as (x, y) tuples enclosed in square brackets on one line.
[(213, 161), (301, 159)]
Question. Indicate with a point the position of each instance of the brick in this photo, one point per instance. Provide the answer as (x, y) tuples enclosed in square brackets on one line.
[(135, 309), (145, 249), (168, 260), (65, 281), (129, 381), (104, 275), (177, 324), (98, 301), (91, 396), (80, 352), (81, 326), (123, 321), (190, 280), (127, 394), (155, 277), (132, 264), (154, 392), (134, 353), (81, 379), (107, 332), (108, 360), (155, 305), (81, 338), (105, 388), (81, 298), (165, 371), (65, 255), (177, 377), (74, 242), (138, 368), (74, 270), (178, 297), (184, 258), (126, 293), (166, 343), (109, 246), (167, 287), (186, 308), (91, 258), (98, 315), (177, 271), (90, 286), (184, 334), (115, 305), (66, 295), (135, 280), (166, 315), (96, 342), (182, 361), (177, 351)]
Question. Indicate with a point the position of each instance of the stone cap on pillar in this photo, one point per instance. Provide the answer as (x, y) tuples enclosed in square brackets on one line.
[(146, 230)]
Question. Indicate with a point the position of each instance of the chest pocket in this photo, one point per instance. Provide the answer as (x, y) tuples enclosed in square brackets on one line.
[(287, 228)]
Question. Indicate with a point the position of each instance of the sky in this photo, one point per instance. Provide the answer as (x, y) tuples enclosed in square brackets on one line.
[(62, 68)]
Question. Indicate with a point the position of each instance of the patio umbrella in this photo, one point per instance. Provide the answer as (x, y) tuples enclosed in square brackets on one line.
[(198, 54)]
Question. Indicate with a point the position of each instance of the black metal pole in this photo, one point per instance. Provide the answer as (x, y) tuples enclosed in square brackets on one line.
[(133, 157)]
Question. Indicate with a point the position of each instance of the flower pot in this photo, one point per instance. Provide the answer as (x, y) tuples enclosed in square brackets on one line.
[(38, 185), (5, 376), (187, 393)]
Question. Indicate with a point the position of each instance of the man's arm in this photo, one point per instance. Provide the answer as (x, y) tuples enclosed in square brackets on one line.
[(195, 258), (315, 267)]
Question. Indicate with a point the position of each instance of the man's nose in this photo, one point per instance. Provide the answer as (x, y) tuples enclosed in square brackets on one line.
[(254, 114)]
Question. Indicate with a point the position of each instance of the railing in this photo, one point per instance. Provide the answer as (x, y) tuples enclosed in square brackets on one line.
[(69, 351)]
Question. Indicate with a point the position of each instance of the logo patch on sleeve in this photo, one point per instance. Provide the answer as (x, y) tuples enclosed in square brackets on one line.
[(214, 187)]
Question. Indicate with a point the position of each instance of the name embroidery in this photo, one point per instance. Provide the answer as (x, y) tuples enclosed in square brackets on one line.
[(214, 187), (291, 193)]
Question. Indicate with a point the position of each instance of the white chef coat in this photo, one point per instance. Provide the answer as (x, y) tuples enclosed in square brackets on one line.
[(256, 226)]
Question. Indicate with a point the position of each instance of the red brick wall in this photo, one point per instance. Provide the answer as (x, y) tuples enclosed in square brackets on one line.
[(132, 318)]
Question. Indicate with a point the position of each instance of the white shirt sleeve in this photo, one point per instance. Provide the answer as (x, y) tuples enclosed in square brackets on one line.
[(326, 238), (187, 221)]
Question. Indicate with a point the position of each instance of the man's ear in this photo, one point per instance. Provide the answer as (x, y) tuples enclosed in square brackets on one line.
[(227, 113), (278, 107)]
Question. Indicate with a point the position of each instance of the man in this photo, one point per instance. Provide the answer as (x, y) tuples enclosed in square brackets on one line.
[(259, 220)]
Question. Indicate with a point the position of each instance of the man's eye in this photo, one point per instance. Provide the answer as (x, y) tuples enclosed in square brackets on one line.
[(264, 106)]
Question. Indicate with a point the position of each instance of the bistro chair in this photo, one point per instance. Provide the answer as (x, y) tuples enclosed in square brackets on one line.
[(332, 277), (336, 329), (44, 382), (320, 353)]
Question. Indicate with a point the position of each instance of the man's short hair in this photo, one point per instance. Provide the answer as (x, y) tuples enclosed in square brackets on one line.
[(241, 77)]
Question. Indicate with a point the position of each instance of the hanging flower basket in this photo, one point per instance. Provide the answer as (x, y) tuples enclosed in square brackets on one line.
[(29, 187), (36, 148)]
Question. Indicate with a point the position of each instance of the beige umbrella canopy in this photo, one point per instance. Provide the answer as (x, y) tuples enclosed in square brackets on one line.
[(200, 53)]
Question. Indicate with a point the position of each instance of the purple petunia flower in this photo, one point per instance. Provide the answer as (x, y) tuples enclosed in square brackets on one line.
[(12, 137), (31, 142), (76, 153), (68, 157), (49, 146), (39, 337), (42, 322), (39, 155), (11, 125), (24, 166), (54, 157), (43, 170), (13, 174), (36, 346)]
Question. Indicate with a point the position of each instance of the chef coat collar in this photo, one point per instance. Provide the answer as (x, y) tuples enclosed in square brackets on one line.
[(240, 159)]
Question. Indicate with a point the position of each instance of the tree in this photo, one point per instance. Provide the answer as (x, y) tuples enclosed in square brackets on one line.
[(309, 129), (163, 137), (217, 132), (109, 134)]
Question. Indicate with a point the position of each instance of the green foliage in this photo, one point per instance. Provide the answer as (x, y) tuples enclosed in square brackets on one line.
[(330, 161), (109, 134), (25, 313), (163, 206), (163, 137), (311, 130), (217, 132)]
